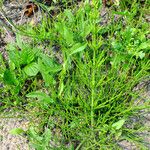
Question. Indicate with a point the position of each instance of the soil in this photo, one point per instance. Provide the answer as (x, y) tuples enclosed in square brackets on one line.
[(14, 10), (9, 141)]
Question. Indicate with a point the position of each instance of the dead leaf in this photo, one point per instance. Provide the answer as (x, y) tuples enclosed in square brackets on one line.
[(30, 9)]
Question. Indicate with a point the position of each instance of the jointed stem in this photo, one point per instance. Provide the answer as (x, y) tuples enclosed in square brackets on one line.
[(93, 91)]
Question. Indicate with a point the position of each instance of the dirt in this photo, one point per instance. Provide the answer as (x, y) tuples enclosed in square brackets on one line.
[(143, 117), (9, 141), (13, 10)]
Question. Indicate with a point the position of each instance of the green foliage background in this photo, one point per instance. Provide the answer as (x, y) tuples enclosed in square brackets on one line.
[(86, 93)]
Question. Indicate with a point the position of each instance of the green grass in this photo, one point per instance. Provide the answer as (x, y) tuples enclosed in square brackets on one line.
[(81, 92)]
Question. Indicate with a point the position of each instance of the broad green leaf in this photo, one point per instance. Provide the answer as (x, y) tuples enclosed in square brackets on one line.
[(48, 65), (118, 125), (14, 55), (141, 54), (86, 29), (10, 77), (41, 96), (65, 32), (47, 70), (17, 131), (31, 69), (69, 15), (124, 13), (49, 79), (42, 67), (144, 45), (37, 94), (77, 48), (12, 65), (26, 56), (68, 35)]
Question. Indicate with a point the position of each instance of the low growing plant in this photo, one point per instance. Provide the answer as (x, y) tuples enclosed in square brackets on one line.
[(86, 101)]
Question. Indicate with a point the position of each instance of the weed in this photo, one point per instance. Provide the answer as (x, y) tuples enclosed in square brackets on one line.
[(87, 99)]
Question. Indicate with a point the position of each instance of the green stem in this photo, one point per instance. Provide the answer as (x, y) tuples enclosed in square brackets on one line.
[(93, 79), (93, 91), (62, 76), (94, 47)]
